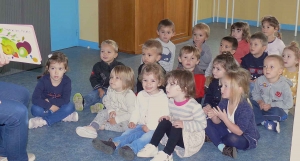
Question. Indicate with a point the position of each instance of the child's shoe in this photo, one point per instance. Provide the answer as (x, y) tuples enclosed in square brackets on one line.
[(272, 125), (36, 122), (73, 117), (78, 101), (207, 139), (31, 157), (86, 132), (230, 151), (97, 107), (161, 155), (126, 152), (148, 151), (107, 147)]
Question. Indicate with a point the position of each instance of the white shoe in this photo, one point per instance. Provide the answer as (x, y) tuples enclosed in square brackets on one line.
[(36, 122), (162, 156), (73, 117), (148, 151), (31, 157), (86, 132)]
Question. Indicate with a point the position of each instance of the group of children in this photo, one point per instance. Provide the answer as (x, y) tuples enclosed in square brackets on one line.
[(249, 83)]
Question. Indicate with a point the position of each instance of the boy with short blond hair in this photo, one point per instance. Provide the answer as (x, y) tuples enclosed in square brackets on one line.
[(272, 94), (165, 31), (189, 57), (151, 53)]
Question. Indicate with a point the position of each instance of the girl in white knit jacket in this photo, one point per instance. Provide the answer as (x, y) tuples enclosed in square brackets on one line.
[(151, 104), (185, 125), (119, 102)]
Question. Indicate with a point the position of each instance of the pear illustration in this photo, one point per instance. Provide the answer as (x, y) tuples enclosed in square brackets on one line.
[(8, 46)]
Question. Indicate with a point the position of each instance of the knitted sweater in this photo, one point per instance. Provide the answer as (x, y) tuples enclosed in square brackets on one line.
[(123, 103)]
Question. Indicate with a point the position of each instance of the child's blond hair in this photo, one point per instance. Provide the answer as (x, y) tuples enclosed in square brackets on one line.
[(166, 23), (278, 58), (261, 36), (274, 23), (111, 43), (56, 57), (156, 70), (185, 80), (126, 75), (294, 46), (152, 43), (190, 49), (244, 26), (204, 27)]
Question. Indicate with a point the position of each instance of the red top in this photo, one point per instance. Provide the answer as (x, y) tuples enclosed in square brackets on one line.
[(199, 84), (242, 50)]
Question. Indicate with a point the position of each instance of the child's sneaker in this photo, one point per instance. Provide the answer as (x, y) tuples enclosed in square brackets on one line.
[(31, 157), (78, 101), (161, 155), (148, 151), (272, 125), (126, 152), (73, 117), (230, 151), (107, 147), (36, 122), (97, 107), (86, 132)]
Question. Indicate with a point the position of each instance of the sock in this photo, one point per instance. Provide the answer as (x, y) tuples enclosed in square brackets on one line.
[(263, 122), (95, 125), (221, 147)]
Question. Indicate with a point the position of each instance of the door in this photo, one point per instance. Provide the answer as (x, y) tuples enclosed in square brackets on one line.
[(64, 24)]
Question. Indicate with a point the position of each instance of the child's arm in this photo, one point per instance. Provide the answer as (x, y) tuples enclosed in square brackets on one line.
[(97, 78), (38, 97), (206, 55), (135, 115), (208, 71), (256, 91), (199, 120)]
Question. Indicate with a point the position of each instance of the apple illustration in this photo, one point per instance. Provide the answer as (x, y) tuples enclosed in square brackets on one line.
[(23, 52), (25, 45)]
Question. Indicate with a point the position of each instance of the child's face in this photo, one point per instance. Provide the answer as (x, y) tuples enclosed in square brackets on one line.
[(256, 47), (165, 33), (188, 61), (237, 33), (225, 89), (174, 91), (272, 69), (268, 30), (115, 82), (150, 83), (226, 46), (289, 58), (107, 53), (56, 70), (199, 36), (150, 55), (218, 71)]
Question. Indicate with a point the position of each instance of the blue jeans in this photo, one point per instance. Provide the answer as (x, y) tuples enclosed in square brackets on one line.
[(135, 138), (13, 121), (92, 98), (54, 117), (274, 113)]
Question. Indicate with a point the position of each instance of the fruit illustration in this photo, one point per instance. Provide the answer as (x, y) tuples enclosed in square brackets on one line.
[(23, 52), (8, 46), (24, 44)]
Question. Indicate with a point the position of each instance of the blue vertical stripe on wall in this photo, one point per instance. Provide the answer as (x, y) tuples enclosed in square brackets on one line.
[(64, 24)]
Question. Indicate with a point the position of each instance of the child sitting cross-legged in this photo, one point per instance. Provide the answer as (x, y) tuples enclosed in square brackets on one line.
[(151, 104), (119, 102), (185, 125)]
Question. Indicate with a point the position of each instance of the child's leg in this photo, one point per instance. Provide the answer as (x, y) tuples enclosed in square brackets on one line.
[(100, 119), (128, 136), (163, 127), (233, 140), (120, 127), (92, 98), (216, 131), (60, 114), (139, 143), (258, 113), (174, 138), (275, 113), (38, 111)]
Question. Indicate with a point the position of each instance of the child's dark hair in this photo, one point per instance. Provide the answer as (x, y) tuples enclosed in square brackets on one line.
[(262, 37), (152, 43), (227, 61), (56, 57), (190, 49), (274, 23), (156, 70), (126, 75), (232, 40), (185, 80), (166, 23), (294, 46), (244, 26)]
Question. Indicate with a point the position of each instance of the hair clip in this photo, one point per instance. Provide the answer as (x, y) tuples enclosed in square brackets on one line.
[(50, 55)]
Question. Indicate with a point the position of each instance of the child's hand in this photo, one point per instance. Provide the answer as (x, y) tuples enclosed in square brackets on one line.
[(206, 109), (145, 128), (54, 108), (221, 114), (131, 125), (112, 121), (177, 124), (266, 107), (101, 92), (211, 113), (3, 59), (164, 117), (112, 114)]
